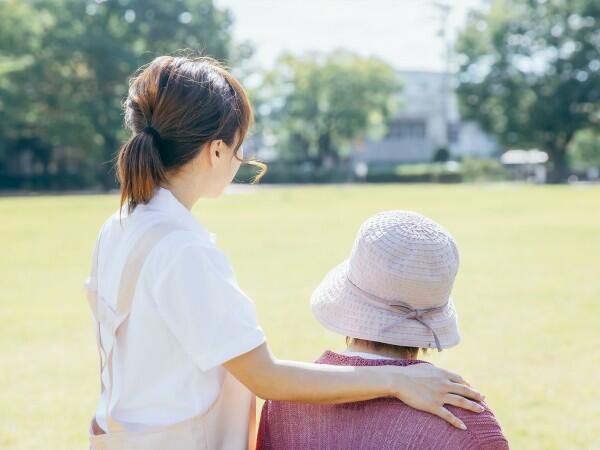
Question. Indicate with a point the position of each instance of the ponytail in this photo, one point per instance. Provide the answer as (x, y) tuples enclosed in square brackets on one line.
[(140, 169)]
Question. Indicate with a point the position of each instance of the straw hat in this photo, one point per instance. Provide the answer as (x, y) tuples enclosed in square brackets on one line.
[(395, 287)]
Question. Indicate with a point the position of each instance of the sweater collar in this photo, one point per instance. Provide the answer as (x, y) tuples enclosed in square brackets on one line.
[(337, 359), (364, 355)]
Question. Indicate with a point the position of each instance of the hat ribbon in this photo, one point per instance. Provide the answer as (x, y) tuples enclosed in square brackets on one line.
[(409, 312)]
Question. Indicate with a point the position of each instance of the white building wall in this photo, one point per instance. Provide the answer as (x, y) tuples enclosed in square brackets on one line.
[(425, 98)]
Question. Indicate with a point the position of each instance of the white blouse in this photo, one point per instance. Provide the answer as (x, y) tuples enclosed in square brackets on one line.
[(189, 316)]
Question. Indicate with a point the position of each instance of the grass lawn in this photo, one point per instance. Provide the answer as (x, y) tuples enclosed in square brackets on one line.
[(528, 295)]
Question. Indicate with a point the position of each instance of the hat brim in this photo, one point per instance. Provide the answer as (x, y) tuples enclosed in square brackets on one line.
[(342, 310)]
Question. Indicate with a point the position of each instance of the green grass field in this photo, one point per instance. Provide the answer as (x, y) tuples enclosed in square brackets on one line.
[(528, 294)]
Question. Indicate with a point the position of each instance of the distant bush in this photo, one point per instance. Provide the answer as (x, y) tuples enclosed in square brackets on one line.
[(442, 154), (483, 170), (278, 173), (447, 172), (416, 173), (49, 182)]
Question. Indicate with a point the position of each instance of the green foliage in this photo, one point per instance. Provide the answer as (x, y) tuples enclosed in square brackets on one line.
[(415, 173), (585, 149), (318, 104), (469, 170), (483, 170), (65, 64), (442, 154), (530, 73), (284, 172)]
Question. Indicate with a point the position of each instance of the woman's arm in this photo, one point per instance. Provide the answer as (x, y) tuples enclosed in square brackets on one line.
[(421, 386)]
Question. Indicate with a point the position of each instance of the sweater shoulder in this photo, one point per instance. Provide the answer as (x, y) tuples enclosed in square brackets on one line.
[(483, 428)]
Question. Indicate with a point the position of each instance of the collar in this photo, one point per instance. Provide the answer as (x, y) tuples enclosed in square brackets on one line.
[(340, 359), (364, 355), (164, 202)]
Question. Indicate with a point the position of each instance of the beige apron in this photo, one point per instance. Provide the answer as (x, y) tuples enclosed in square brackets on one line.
[(229, 424)]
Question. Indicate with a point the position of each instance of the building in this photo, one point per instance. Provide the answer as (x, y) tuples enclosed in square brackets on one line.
[(427, 120)]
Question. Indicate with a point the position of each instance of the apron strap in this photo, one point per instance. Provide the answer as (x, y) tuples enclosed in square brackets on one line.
[(92, 298), (114, 319), (252, 424)]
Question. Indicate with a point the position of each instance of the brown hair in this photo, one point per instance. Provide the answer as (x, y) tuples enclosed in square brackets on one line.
[(398, 350), (176, 105)]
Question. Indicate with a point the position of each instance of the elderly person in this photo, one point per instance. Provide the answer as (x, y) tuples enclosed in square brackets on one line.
[(391, 300)]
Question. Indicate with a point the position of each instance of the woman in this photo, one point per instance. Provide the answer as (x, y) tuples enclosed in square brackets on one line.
[(390, 299), (182, 353)]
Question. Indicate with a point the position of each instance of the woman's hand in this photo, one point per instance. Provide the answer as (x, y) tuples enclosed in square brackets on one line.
[(429, 388)]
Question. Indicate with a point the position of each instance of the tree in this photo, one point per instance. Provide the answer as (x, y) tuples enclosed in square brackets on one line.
[(320, 103), (442, 154), (530, 73), (65, 64)]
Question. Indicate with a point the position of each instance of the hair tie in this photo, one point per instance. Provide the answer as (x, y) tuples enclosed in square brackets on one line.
[(155, 134)]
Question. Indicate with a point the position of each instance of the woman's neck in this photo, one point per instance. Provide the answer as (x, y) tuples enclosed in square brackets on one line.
[(361, 347), (182, 192)]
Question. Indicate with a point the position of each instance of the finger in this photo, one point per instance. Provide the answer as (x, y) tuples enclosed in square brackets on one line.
[(456, 378), (443, 413), (465, 391), (461, 402)]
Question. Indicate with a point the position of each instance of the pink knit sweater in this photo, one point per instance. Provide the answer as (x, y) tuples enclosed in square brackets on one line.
[(382, 424)]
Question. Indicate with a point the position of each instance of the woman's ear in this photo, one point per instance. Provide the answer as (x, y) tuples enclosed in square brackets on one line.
[(214, 151)]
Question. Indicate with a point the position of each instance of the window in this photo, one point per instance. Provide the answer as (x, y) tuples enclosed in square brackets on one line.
[(407, 129), (453, 132)]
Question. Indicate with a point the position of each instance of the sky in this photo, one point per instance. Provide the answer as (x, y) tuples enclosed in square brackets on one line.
[(403, 32)]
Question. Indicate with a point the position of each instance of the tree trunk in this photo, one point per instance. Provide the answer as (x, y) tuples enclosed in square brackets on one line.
[(559, 169), (326, 149)]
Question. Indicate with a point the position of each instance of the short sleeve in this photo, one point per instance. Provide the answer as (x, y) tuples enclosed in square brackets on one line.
[(90, 283), (198, 297)]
